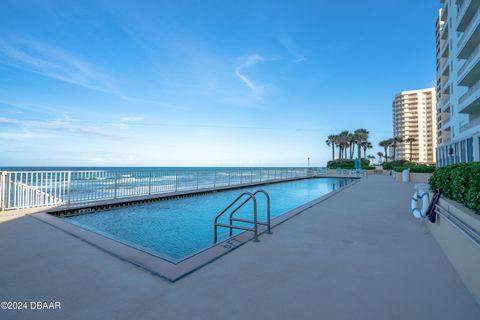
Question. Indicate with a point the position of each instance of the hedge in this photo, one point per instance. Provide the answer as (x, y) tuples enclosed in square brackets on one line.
[(346, 164), (460, 182), (416, 169), (397, 163)]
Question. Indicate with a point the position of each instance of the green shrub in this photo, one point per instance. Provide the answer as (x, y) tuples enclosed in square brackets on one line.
[(346, 164), (459, 182), (392, 164), (416, 169)]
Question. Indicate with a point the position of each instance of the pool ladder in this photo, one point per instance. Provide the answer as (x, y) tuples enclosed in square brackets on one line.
[(247, 196)]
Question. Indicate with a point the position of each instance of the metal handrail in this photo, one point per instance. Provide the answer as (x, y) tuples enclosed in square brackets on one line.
[(463, 227), (268, 224), (255, 226)]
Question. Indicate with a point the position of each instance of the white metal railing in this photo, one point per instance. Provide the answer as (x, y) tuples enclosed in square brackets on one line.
[(446, 119), (32, 189), (444, 100), (467, 33), (470, 125), (463, 8), (468, 62), (469, 92)]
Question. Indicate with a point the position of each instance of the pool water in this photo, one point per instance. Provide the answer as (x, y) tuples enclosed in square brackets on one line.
[(177, 228)]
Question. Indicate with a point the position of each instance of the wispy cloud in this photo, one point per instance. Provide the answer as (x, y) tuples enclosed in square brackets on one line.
[(125, 121), (292, 48), (300, 59), (131, 119), (23, 136), (18, 108), (52, 62), (33, 128), (7, 120), (38, 57), (245, 63)]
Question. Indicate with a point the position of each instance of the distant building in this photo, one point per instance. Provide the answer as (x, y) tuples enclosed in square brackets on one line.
[(458, 81), (414, 116)]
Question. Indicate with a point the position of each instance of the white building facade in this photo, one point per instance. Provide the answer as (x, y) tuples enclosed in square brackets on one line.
[(414, 116), (458, 82)]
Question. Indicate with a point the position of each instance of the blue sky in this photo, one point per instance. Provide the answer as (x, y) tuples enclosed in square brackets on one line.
[(207, 83)]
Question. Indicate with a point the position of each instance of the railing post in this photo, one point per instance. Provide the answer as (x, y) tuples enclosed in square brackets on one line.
[(150, 182), (197, 174), (115, 186), (3, 190), (69, 181), (176, 181), (255, 220), (215, 179)]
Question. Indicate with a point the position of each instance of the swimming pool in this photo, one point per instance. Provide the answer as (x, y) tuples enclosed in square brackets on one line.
[(175, 229)]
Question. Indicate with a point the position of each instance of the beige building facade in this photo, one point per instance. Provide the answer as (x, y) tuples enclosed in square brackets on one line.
[(415, 117)]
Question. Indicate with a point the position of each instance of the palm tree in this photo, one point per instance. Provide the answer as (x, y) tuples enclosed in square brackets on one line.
[(366, 145), (395, 140), (385, 144), (380, 156), (361, 136), (351, 144), (411, 140), (343, 143), (338, 142), (331, 142)]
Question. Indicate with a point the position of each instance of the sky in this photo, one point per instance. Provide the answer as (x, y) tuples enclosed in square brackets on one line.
[(203, 83)]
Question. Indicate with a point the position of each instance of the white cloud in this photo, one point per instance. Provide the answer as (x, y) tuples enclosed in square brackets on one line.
[(119, 125), (131, 119), (8, 120), (55, 63), (300, 59), (246, 63), (23, 136), (37, 57), (33, 128)]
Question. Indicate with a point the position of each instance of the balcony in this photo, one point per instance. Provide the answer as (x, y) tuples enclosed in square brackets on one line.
[(470, 38), (444, 32), (444, 100), (447, 135), (470, 100), (465, 14), (469, 125), (444, 52), (444, 15), (469, 73), (446, 120), (445, 86), (446, 70)]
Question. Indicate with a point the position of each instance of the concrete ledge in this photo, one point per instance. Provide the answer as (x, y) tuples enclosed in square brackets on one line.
[(420, 177), (463, 253), (415, 177)]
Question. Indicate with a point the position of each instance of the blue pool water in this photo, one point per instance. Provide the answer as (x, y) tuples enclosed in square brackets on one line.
[(175, 229)]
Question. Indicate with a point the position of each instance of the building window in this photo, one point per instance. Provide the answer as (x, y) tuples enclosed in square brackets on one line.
[(470, 150)]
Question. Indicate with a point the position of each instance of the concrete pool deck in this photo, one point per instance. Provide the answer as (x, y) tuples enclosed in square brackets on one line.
[(357, 255)]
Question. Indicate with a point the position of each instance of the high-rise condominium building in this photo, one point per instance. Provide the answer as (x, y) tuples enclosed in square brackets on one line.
[(414, 117), (458, 81)]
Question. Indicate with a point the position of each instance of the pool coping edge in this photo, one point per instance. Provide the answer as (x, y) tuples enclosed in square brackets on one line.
[(161, 267)]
